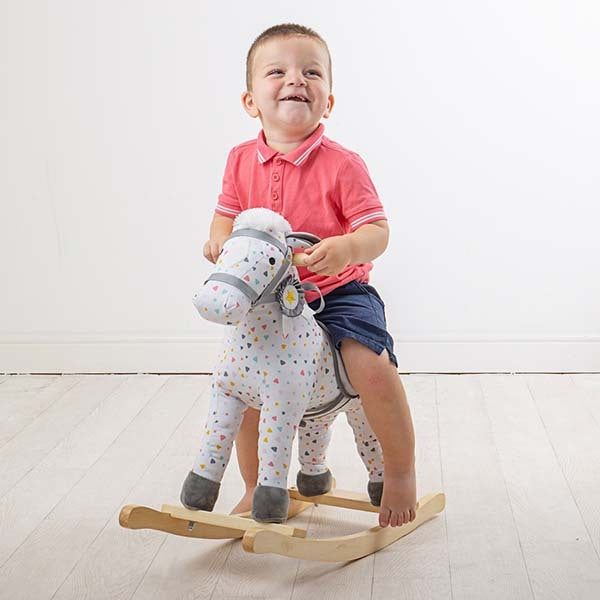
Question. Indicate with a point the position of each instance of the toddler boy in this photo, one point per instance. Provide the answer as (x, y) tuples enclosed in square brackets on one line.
[(320, 187)]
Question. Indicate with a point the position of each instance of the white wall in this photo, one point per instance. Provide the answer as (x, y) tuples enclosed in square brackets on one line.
[(478, 120)]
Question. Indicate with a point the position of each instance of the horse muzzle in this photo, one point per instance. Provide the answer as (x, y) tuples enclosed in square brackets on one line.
[(221, 303)]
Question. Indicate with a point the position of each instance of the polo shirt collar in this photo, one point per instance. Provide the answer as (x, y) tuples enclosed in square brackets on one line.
[(265, 153)]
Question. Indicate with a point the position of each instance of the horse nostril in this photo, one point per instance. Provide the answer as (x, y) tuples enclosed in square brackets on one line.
[(272, 260)]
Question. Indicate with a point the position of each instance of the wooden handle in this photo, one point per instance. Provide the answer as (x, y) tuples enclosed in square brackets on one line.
[(298, 259)]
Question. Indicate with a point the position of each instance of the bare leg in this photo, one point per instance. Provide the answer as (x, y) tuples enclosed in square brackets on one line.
[(246, 447), (383, 398)]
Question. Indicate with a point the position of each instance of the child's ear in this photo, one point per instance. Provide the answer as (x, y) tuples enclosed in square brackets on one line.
[(328, 109), (248, 104)]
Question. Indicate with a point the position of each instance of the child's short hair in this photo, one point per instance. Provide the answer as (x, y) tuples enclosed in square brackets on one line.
[(283, 30)]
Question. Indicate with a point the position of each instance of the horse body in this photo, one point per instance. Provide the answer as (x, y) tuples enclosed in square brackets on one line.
[(276, 359), (258, 360)]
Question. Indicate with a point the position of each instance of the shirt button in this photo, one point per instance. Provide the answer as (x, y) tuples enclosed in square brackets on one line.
[(276, 177), (277, 161), (274, 195)]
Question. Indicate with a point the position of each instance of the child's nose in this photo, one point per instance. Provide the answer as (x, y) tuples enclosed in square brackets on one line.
[(296, 78)]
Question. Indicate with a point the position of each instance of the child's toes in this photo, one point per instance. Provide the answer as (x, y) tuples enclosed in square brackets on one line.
[(384, 517), (395, 520)]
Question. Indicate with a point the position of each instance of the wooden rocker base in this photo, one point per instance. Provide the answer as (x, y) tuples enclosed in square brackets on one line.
[(286, 540)]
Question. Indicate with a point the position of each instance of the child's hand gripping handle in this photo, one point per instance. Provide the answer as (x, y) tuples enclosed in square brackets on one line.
[(299, 259)]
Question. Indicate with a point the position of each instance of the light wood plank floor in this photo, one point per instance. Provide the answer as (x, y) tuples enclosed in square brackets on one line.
[(518, 457)]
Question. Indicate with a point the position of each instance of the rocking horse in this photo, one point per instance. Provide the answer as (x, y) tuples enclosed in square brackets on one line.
[(279, 359)]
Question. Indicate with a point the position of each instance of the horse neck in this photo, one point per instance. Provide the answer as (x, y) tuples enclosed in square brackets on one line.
[(261, 314)]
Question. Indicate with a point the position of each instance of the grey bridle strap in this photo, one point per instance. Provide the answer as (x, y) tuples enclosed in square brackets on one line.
[(260, 235), (283, 269), (307, 285), (267, 294), (235, 282)]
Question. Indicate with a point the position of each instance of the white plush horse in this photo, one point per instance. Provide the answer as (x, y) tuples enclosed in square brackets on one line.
[(276, 358)]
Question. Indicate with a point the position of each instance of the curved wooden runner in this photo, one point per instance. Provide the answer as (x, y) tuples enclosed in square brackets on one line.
[(344, 548), (287, 540)]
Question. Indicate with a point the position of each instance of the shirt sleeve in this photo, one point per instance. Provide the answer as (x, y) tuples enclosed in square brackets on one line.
[(358, 199), (228, 203)]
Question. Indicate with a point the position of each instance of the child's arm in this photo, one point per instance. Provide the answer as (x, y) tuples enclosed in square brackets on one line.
[(220, 229), (368, 242), (332, 255)]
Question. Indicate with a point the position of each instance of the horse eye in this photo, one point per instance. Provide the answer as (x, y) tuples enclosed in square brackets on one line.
[(272, 260)]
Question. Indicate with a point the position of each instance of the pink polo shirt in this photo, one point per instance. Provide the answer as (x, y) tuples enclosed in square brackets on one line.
[(320, 187)]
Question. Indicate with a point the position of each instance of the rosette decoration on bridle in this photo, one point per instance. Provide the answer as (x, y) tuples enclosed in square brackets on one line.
[(291, 296)]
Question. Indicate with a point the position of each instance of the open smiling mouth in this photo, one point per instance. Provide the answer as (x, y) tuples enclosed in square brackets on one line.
[(295, 99)]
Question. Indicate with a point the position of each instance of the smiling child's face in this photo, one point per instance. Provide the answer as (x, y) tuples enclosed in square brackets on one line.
[(290, 86)]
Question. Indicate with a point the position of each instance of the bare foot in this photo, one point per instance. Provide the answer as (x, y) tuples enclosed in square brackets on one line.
[(399, 501), (245, 504)]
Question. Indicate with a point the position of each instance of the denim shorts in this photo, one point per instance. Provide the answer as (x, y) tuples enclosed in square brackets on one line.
[(355, 310)]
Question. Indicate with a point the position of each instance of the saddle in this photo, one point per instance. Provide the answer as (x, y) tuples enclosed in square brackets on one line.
[(347, 392)]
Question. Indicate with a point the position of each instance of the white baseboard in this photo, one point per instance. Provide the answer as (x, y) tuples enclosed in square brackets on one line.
[(156, 354)]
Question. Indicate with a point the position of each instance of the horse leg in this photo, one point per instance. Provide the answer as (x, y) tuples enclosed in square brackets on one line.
[(201, 486), (370, 452), (279, 418), (314, 478)]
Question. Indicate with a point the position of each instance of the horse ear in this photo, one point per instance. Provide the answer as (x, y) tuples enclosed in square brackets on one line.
[(301, 240)]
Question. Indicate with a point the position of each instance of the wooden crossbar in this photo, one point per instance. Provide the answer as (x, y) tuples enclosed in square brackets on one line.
[(341, 498), (230, 522)]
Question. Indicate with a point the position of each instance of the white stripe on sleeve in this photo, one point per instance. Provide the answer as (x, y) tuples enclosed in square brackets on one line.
[(370, 217)]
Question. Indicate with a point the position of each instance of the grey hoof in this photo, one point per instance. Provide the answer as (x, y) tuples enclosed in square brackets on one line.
[(270, 504), (375, 489), (314, 485), (199, 493)]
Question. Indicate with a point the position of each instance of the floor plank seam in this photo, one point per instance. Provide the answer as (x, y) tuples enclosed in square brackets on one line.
[(510, 502), (585, 525), (232, 544), (157, 454), (63, 496), (174, 432), (66, 391), (143, 577), (437, 416), (115, 516), (62, 439), (373, 558), (112, 517), (308, 530), (591, 414)]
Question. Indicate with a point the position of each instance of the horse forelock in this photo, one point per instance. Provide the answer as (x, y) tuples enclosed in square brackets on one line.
[(262, 219)]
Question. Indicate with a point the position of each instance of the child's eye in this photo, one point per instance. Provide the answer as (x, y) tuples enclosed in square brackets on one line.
[(275, 71), (314, 73)]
